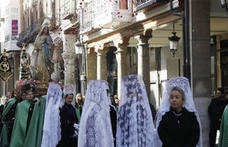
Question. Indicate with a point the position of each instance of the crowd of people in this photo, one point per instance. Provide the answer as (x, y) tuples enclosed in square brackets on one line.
[(26, 117), (62, 119)]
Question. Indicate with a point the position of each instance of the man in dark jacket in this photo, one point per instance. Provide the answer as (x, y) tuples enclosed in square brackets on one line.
[(215, 111)]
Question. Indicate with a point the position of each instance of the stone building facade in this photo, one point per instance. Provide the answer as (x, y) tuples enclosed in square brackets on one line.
[(60, 15), (106, 40), (139, 30)]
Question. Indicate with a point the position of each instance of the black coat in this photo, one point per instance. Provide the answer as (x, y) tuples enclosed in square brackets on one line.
[(179, 129), (10, 117), (67, 119), (113, 118), (215, 111)]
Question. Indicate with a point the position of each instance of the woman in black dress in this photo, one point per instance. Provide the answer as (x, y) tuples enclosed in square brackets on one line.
[(68, 118), (178, 126)]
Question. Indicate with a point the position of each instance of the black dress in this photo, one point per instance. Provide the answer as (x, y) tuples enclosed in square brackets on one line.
[(179, 129), (67, 119), (113, 118)]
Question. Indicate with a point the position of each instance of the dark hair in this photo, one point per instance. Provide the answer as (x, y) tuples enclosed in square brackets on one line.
[(226, 93), (221, 89), (68, 94), (180, 91), (12, 93), (28, 87)]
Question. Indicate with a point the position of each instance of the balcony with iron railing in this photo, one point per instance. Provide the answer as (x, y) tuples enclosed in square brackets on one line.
[(97, 14), (68, 8), (65, 9), (141, 4)]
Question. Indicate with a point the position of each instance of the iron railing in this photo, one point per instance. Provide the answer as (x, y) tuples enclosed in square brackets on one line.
[(64, 9), (68, 8), (140, 4), (97, 14)]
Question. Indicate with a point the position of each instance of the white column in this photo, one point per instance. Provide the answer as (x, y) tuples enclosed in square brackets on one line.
[(143, 59), (99, 65), (119, 71), (69, 58), (69, 67), (143, 55), (121, 65)]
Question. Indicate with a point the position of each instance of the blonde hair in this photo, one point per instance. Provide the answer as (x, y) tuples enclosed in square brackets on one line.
[(76, 99)]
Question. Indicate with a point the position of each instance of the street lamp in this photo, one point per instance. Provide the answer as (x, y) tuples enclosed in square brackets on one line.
[(173, 41), (185, 34), (224, 4)]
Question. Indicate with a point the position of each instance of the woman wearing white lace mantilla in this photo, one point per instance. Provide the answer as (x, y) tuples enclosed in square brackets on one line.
[(68, 119), (51, 127), (135, 126), (178, 122), (95, 126)]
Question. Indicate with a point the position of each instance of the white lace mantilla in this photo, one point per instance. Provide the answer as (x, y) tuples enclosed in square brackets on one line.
[(95, 125), (182, 83), (135, 126), (52, 128)]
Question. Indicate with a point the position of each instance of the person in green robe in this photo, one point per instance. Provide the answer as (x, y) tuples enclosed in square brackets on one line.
[(7, 122), (8, 116), (27, 131), (21, 117), (223, 138), (20, 124), (35, 129)]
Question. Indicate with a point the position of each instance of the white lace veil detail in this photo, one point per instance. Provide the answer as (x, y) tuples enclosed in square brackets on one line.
[(182, 83), (95, 125), (135, 126), (69, 89), (52, 128), (97, 92)]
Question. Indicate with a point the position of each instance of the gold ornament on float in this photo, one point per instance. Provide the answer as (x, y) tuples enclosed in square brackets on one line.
[(5, 70)]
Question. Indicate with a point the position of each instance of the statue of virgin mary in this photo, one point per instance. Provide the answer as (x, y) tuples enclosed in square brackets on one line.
[(42, 65)]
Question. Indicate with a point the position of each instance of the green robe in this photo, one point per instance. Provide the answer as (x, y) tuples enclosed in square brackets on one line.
[(34, 134), (223, 138), (8, 106), (4, 141), (77, 111), (35, 130), (20, 124)]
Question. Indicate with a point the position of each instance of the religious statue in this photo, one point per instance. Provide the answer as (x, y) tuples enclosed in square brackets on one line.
[(5, 69), (24, 65), (42, 65)]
